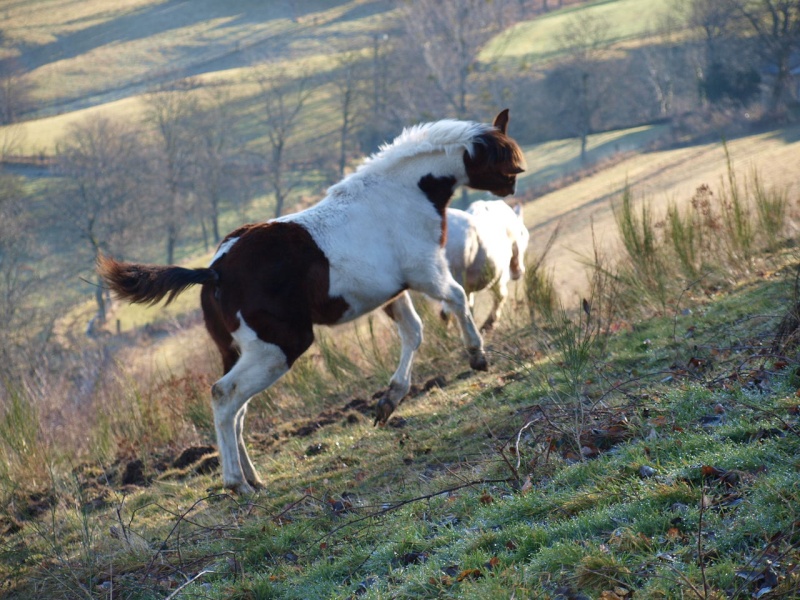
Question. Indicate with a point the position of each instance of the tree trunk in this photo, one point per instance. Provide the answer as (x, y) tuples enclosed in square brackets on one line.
[(204, 231), (279, 200), (584, 139), (215, 224), (778, 90), (586, 116), (172, 236), (99, 296)]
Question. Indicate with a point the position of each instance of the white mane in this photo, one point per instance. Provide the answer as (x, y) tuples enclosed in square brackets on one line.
[(448, 135)]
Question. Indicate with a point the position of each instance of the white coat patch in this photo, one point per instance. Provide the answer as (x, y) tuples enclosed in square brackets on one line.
[(223, 249)]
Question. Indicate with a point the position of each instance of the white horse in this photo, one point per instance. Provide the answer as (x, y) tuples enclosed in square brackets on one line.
[(486, 249), (377, 233)]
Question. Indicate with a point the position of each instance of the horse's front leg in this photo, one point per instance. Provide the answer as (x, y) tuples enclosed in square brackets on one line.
[(447, 290), (409, 327)]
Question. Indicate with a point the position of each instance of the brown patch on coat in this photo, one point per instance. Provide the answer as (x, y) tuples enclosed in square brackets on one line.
[(439, 190), (277, 277), (388, 308)]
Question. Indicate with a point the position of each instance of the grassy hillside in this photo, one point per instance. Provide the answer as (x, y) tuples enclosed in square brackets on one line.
[(661, 465), (531, 42)]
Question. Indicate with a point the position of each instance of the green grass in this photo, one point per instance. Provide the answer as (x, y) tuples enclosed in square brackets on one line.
[(531, 42)]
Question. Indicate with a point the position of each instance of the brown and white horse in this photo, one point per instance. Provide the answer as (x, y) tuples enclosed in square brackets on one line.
[(377, 233)]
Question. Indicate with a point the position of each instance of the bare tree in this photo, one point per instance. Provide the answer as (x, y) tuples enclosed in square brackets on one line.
[(579, 86), (17, 277), (664, 62), (716, 20), (12, 139), (386, 79), (215, 177), (776, 25), (450, 36), (169, 113), (101, 165), (350, 87), (15, 91), (283, 97)]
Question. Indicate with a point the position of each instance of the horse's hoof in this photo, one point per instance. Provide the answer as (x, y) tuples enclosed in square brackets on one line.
[(242, 489), (383, 411), (478, 362), (256, 484)]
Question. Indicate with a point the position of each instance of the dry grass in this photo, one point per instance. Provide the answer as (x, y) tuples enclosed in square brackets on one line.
[(664, 177)]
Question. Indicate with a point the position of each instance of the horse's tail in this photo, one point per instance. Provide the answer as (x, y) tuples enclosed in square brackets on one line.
[(149, 284)]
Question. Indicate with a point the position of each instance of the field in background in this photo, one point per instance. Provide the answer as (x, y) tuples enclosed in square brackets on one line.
[(531, 42), (89, 53)]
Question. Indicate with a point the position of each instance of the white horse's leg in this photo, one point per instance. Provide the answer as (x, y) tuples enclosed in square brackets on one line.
[(446, 289), (259, 366), (459, 277), (409, 327), (250, 474), (499, 294)]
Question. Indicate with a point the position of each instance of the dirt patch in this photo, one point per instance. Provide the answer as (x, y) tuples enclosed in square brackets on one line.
[(191, 455), (357, 408), (134, 473), (25, 507)]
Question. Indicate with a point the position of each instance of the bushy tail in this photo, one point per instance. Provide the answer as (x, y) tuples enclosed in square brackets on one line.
[(149, 284)]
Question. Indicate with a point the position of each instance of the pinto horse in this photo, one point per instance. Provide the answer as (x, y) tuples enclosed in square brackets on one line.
[(379, 232), (485, 249)]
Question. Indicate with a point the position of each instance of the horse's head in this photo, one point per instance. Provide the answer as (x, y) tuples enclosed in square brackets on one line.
[(520, 236), (495, 159)]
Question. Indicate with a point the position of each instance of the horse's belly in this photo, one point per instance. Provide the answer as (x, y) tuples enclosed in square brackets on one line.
[(361, 304), (363, 291)]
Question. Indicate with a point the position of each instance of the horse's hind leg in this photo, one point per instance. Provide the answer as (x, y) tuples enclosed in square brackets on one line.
[(409, 327), (260, 365), (499, 294), (250, 474)]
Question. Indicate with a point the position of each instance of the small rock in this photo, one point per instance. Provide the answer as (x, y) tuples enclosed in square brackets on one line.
[(645, 472), (712, 420), (315, 449)]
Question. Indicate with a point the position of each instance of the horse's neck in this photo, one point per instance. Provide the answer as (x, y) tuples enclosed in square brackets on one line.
[(410, 169)]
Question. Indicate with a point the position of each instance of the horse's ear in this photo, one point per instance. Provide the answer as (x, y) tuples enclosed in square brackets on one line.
[(501, 120)]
